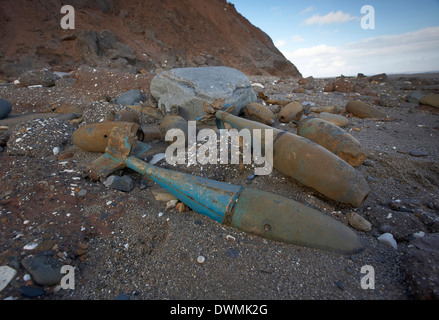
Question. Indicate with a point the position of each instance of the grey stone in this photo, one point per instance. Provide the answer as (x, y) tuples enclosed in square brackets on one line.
[(124, 183), (415, 153), (189, 88), (45, 271), (5, 108), (415, 96), (420, 267), (388, 239), (130, 98), (42, 77)]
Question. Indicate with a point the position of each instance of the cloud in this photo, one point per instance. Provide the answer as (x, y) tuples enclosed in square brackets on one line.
[(309, 9), (297, 38), (280, 43), (331, 17), (416, 51)]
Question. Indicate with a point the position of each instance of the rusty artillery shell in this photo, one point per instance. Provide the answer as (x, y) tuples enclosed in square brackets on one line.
[(254, 211), (309, 163), (262, 213), (257, 112), (173, 121), (123, 116), (332, 138), (364, 110), (94, 137), (291, 112)]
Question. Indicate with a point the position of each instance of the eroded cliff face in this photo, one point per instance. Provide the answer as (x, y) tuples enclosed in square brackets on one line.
[(135, 35)]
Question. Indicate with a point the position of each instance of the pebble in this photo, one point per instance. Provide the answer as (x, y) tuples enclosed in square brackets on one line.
[(415, 153), (419, 234), (6, 275), (56, 151), (124, 183), (368, 163), (5, 108), (171, 204), (82, 192), (415, 96), (162, 195), (388, 239), (232, 253), (201, 259), (358, 222)]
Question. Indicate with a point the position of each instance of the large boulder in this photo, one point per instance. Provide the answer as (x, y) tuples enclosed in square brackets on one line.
[(42, 77), (189, 88)]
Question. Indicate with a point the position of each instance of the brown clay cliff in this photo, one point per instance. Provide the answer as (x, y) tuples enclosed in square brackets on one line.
[(134, 36)]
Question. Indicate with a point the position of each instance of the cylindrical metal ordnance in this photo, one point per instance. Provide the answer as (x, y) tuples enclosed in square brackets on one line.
[(364, 110), (257, 112), (261, 213), (94, 137), (173, 121), (123, 116), (291, 112), (309, 163), (333, 138)]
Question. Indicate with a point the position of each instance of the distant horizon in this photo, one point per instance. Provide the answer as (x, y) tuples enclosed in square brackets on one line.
[(326, 39)]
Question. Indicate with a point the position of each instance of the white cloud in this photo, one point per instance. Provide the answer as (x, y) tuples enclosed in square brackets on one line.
[(416, 51), (332, 17), (309, 9), (280, 43), (297, 38)]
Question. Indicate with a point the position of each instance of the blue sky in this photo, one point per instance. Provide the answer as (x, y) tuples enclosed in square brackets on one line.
[(325, 38)]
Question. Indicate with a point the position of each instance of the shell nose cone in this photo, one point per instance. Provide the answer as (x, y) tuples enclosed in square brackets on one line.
[(280, 219)]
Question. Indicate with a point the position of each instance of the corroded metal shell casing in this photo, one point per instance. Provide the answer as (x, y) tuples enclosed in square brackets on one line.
[(123, 116), (364, 110), (94, 137), (309, 163), (254, 211), (333, 138), (280, 219), (173, 121)]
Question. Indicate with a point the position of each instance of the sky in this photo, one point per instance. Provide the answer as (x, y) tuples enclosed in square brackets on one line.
[(324, 38)]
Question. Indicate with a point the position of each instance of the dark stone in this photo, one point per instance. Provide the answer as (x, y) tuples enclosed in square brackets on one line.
[(382, 77), (42, 77), (5, 108), (420, 265), (418, 153), (45, 271), (124, 183), (32, 292), (130, 98), (232, 253)]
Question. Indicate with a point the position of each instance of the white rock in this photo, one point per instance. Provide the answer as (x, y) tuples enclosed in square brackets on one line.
[(56, 151), (419, 234), (6, 275), (201, 259), (157, 158), (30, 246), (171, 204), (387, 238)]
